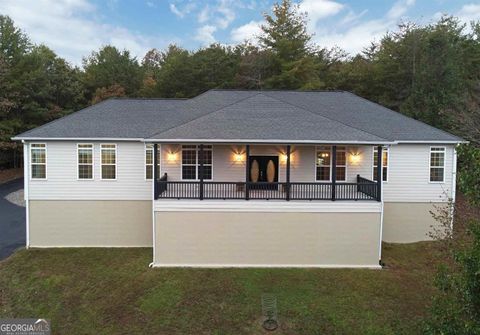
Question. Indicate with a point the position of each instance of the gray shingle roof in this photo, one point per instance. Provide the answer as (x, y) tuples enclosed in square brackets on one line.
[(290, 116)]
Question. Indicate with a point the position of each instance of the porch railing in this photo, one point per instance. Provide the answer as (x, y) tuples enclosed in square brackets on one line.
[(363, 189)]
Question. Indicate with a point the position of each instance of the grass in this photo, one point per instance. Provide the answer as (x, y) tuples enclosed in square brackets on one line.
[(112, 291)]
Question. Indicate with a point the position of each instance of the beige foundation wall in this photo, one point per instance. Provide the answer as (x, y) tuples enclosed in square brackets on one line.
[(405, 222), (266, 239), (98, 223)]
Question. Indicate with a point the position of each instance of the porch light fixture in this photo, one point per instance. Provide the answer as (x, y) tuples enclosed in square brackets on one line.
[(238, 157), (355, 158), (171, 156)]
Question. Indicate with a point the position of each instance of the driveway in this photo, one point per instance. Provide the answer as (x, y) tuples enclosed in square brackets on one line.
[(12, 220)]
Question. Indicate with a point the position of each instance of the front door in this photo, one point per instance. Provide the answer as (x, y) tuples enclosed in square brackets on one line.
[(263, 169)]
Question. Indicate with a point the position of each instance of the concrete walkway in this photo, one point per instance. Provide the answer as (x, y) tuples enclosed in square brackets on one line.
[(12, 220)]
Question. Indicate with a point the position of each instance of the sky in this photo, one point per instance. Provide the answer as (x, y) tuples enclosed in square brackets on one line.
[(74, 28)]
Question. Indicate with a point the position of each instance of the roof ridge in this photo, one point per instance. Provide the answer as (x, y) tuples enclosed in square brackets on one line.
[(274, 90), (199, 117), (403, 115), (326, 117), (145, 98)]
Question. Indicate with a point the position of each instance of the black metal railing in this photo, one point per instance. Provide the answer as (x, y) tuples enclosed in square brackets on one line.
[(363, 189), (367, 187)]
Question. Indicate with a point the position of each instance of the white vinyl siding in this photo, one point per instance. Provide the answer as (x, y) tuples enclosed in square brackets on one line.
[(63, 184), (38, 161), (409, 175)]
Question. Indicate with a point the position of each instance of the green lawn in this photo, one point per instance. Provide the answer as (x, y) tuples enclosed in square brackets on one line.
[(112, 291)]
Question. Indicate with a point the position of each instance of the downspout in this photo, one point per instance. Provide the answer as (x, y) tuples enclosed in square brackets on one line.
[(380, 180), (155, 173), (454, 183), (26, 180)]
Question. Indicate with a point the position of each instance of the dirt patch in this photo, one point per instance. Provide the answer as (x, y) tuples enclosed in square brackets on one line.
[(10, 174)]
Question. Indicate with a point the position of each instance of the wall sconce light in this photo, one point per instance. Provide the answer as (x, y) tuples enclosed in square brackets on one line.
[(171, 156), (238, 157), (355, 158), (283, 157)]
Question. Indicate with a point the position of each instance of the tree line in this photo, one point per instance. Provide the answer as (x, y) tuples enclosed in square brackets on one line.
[(429, 72)]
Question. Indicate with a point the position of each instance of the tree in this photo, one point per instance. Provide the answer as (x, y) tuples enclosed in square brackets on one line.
[(285, 34), (108, 67), (176, 75), (255, 66), (104, 93), (214, 67), (13, 41)]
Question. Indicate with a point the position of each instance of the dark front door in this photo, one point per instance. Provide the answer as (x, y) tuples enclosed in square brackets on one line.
[(263, 169)]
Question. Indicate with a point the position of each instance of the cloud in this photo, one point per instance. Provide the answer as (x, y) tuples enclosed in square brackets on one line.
[(182, 12), (72, 30), (227, 15), (469, 12), (247, 32), (205, 34), (319, 9), (204, 14), (353, 36), (399, 8)]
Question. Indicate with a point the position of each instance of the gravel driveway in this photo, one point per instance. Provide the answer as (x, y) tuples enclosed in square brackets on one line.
[(12, 217)]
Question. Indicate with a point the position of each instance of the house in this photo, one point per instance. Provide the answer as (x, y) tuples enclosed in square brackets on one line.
[(238, 178)]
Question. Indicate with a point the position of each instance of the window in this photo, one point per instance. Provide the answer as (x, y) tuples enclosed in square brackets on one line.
[(85, 161), (38, 160), (384, 164), (191, 164), (341, 164), (324, 163), (149, 161), (437, 164), (109, 161)]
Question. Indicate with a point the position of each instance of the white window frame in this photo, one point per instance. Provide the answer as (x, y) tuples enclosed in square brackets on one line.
[(197, 148), (109, 164), (93, 161), (149, 147), (344, 150), (324, 148), (444, 150), (31, 163), (384, 150)]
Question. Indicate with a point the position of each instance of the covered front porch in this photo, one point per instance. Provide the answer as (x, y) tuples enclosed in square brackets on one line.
[(260, 179)]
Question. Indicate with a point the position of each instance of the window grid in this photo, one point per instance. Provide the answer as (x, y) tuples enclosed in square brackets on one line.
[(85, 161), (149, 161), (437, 164), (341, 164), (38, 160), (323, 163), (109, 161), (191, 164), (385, 159)]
